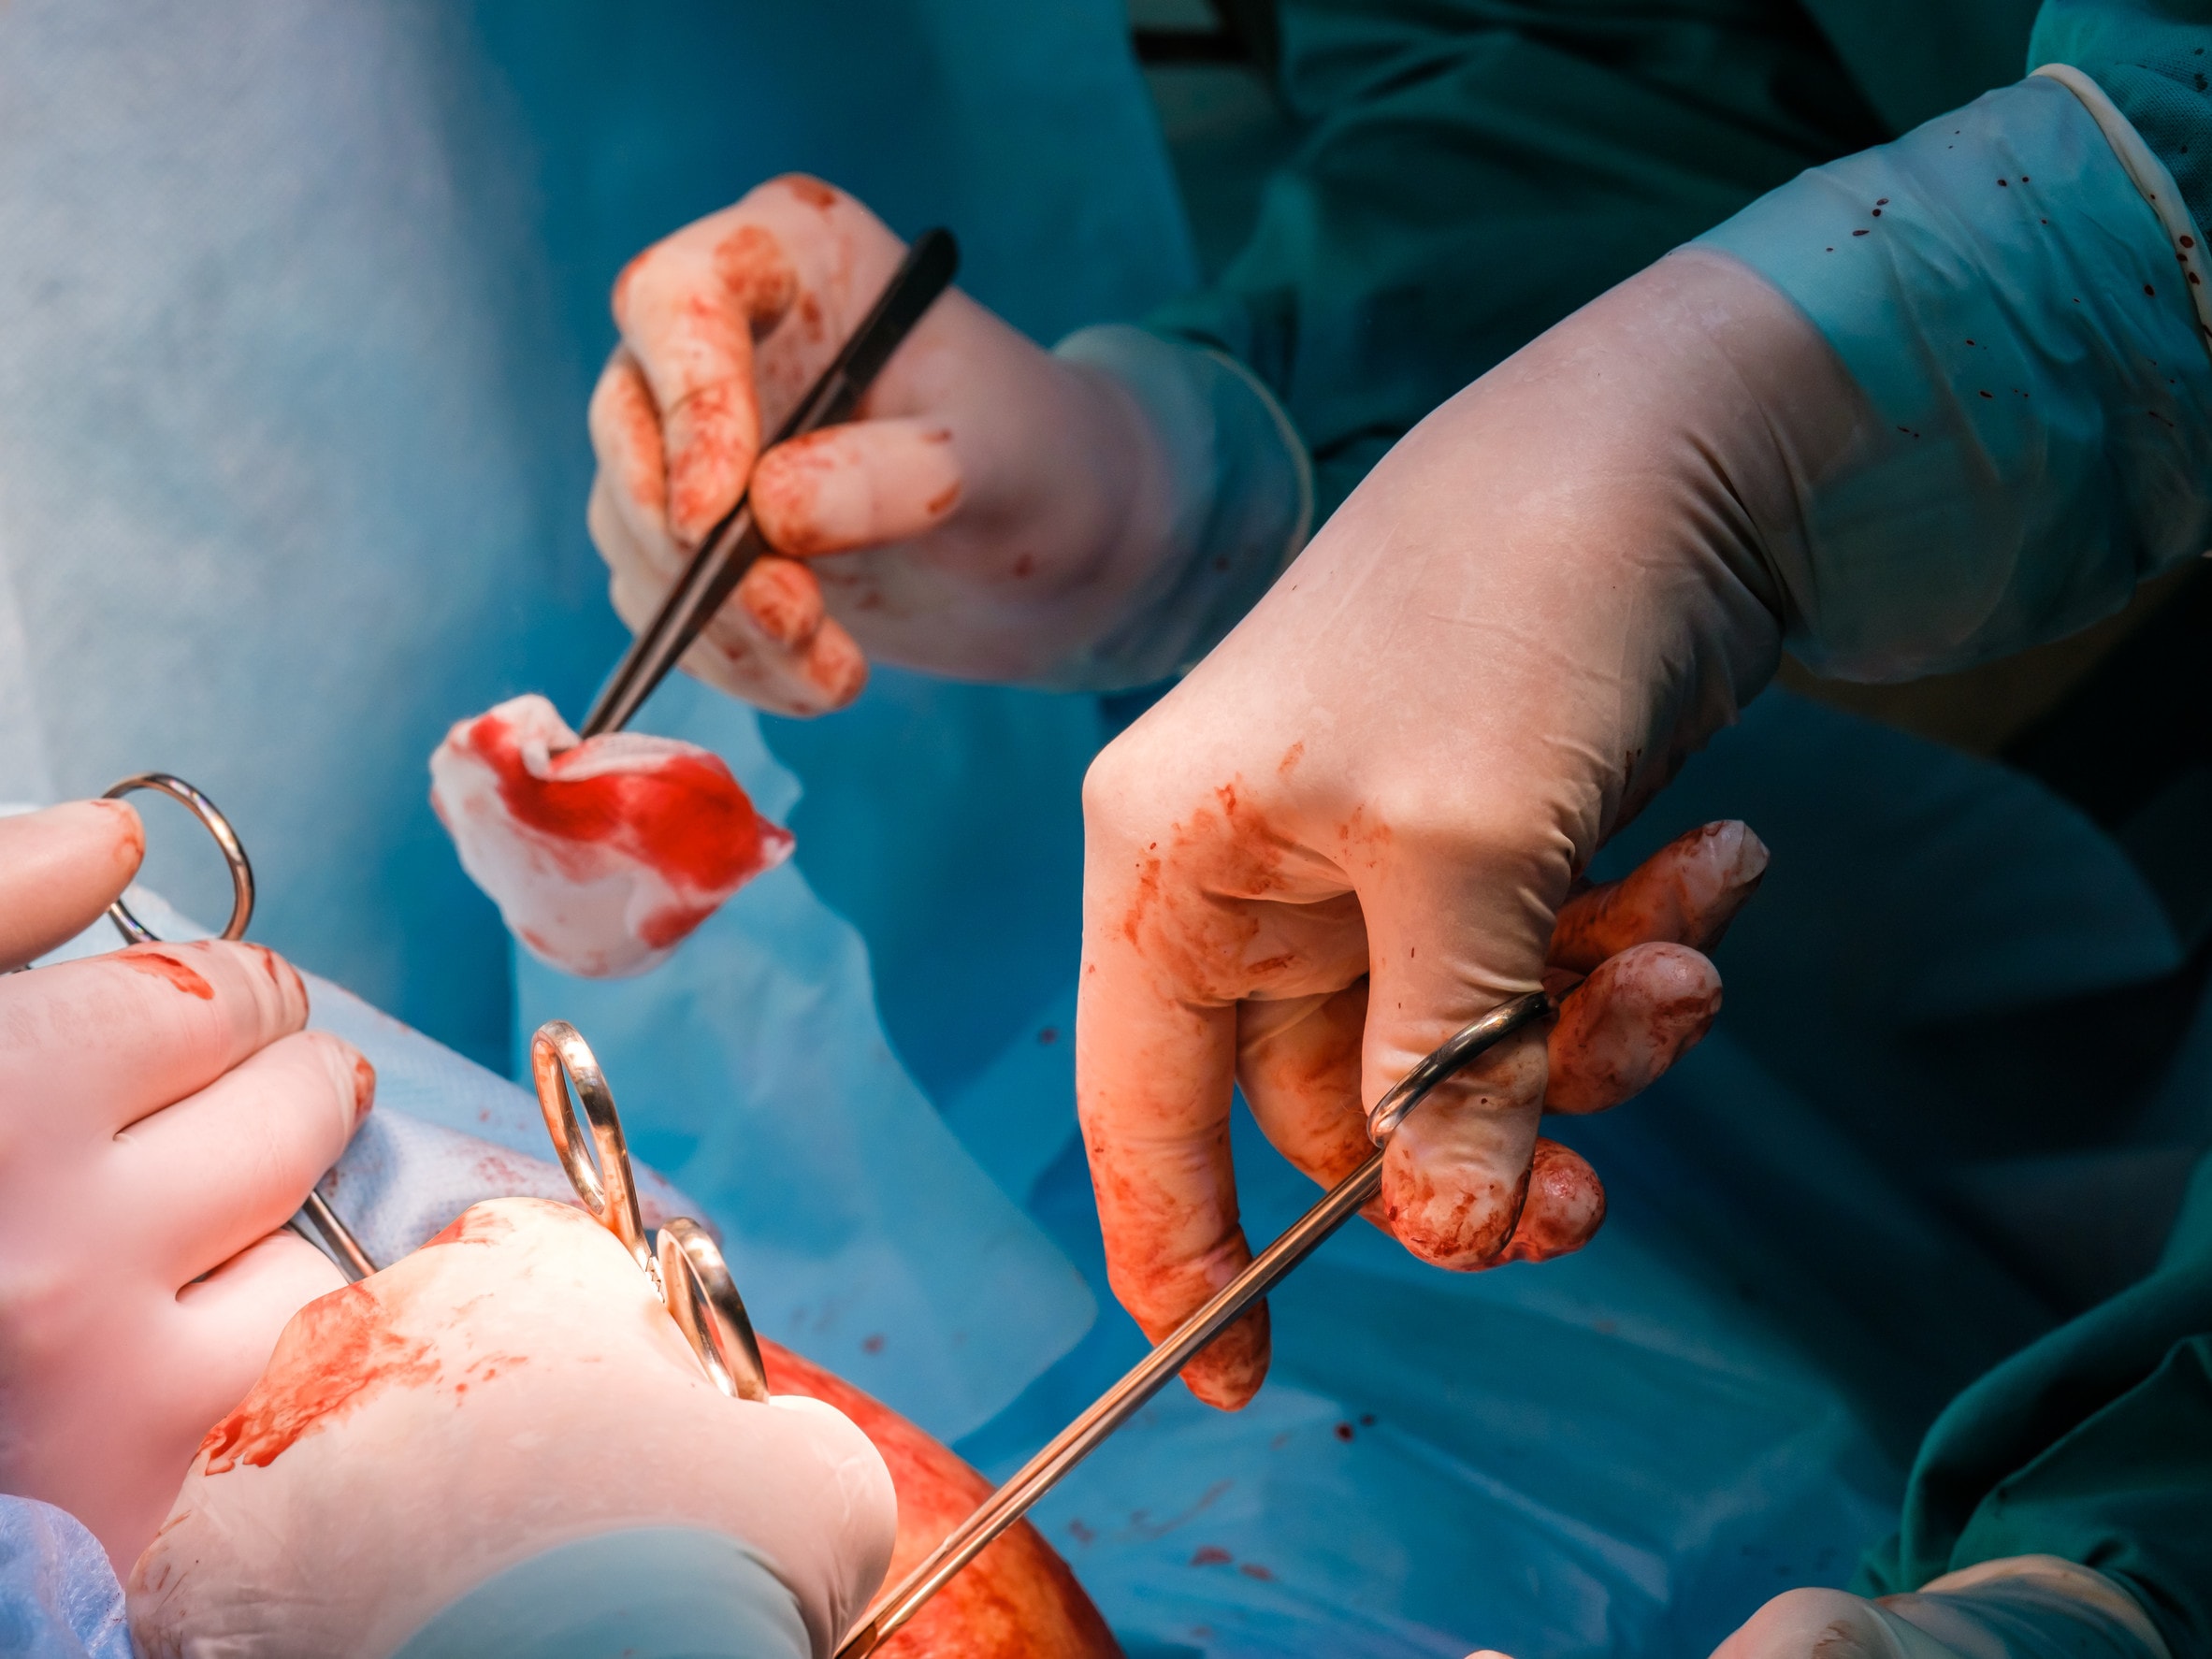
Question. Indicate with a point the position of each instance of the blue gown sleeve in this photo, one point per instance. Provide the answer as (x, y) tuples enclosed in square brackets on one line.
[(59, 1598), (2018, 289)]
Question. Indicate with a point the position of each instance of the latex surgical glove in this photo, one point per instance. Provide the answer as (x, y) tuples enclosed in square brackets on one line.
[(2026, 1606), (501, 1443), (1351, 829), (1087, 517), (162, 1115), (602, 855)]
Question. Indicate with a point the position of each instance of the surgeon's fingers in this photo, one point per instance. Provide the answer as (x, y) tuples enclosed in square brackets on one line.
[(1631, 1020), (1298, 1063), (58, 870), (142, 1028), (227, 1323), (1563, 1210), (627, 512), (859, 485), (772, 645), (1152, 1087), (1455, 1172), (689, 309), (1685, 893), (202, 1179)]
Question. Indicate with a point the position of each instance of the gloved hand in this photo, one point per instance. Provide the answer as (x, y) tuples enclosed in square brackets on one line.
[(1351, 829), (2026, 1606), (162, 1114), (1565, 580), (996, 511), (497, 1428)]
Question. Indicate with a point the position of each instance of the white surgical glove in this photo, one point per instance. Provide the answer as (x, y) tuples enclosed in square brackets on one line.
[(162, 1115), (1360, 816), (510, 1398), (2026, 1606), (1092, 517)]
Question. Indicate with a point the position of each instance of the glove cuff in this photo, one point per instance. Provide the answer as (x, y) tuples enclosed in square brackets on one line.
[(2038, 393), (652, 1593), (1241, 504), (2023, 1606)]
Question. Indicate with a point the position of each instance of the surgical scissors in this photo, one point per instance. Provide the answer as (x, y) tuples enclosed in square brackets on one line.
[(353, 1260), (1119, 1403), (684, 1264)]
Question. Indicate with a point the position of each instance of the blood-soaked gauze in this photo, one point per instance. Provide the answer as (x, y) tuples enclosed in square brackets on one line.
[(602, 855)]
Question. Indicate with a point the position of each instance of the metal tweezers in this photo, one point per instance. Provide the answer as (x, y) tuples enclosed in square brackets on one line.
[(734, 544)]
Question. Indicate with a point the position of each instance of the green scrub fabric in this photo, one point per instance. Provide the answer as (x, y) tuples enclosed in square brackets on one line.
[(2094, 1444)]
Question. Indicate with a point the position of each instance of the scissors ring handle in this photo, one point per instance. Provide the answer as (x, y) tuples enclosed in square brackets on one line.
[(135, 932), (559, 1058), (703, 1299)]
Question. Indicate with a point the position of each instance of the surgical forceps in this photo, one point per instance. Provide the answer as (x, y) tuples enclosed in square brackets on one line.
[(734, 544), (353, 1260), (683, 1266), (1119, 1403)]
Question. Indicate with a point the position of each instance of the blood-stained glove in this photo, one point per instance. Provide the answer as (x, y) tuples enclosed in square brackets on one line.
[(1379, 787), (1352, 828), (502, 1444), (1090, 517), (2025, 1607), (162, 1115), (602, 855)]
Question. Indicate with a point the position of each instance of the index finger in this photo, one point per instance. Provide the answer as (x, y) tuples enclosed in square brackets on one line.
[(688, 309), (109, 1039), (1181, 919), (58, 870)]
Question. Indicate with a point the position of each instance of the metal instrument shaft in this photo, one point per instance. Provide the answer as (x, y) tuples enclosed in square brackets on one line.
[(1114, 1407)]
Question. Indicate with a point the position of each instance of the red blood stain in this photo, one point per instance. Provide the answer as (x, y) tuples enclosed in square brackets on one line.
[(755, 274), (1081, 1532), (787, 492), (1210, 1555), (161, 965), (686, 818), (364, 1087), (1290, 757), (783, 601), (711, 435), (813, 192), (1025, 565), (872, 1344), (1016, 1600), (673, 923), (938, 505), (338, 1350), (810, 317), (1252, 1569), (477, 1224), (1048, 1035)]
